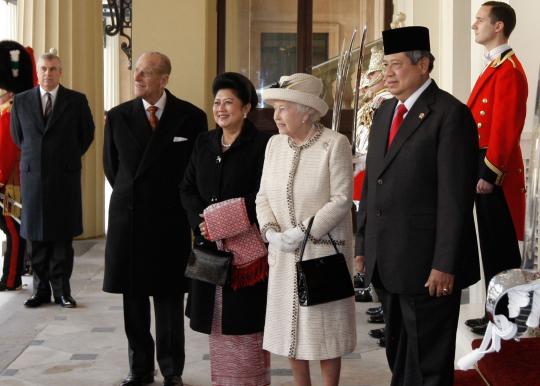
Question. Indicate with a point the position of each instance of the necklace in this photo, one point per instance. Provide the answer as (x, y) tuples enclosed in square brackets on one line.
[(225, 145)]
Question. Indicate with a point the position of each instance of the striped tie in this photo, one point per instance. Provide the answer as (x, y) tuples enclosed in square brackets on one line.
[(48, 106)]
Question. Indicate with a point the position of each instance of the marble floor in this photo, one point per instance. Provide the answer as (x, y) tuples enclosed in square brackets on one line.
[(52, 346)]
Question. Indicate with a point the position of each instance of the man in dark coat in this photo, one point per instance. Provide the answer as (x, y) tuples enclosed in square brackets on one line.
[(53, 127), (148, 143), (416, 231)]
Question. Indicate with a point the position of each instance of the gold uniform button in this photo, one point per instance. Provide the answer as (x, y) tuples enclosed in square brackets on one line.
[(482, 113), (484, 100), (519, 171), (479, 125), (478, 136)]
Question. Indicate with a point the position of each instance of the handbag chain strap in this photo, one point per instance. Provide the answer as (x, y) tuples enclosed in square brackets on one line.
[(306, 237)]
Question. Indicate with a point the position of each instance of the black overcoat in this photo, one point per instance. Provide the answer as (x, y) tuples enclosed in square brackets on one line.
[(416, 210), (51, 154), (214, 176), (148, 238)]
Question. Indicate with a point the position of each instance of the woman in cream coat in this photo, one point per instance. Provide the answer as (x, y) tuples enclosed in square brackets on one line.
[(307, 172)]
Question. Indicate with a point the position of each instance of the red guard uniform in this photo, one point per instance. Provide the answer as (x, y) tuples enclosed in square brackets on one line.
[(9, 177), (498, 103)]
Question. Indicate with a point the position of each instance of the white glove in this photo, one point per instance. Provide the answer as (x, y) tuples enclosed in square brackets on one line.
[(281, 241), (294, 236)]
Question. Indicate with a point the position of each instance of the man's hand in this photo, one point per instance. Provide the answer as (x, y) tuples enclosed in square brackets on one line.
[(440, 283), (360, 263), (484, 187)]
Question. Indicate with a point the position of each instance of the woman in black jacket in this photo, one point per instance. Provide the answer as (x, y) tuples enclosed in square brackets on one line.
[(227, 163)]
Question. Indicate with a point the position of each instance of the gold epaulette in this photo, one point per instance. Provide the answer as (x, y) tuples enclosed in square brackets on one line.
[(501, 59)]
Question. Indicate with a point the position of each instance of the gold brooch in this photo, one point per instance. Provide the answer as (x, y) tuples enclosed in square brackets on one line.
[(421, 116)]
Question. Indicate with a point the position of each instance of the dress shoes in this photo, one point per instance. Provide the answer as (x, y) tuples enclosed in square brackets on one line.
[(374, 310), (476, 322), (479, 330), (37, 300), (65, 301), (382, 342), (136, 380), (377, 333), (4, 287), (173, 381), (363, 295), (379, 318)]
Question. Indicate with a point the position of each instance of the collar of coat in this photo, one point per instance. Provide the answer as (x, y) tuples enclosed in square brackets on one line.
[(246, 135)]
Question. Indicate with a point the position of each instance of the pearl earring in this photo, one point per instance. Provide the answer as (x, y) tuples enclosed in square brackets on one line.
[(245, 115)]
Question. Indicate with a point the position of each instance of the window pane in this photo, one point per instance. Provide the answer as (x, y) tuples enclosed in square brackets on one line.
[(260, 39)]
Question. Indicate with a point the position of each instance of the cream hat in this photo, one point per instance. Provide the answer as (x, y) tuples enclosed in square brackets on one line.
[(304, 89)]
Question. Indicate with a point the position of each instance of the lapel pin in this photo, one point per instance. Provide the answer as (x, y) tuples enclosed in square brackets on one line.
[(421, 116)]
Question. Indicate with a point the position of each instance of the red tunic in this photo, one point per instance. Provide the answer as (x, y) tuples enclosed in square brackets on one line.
[(9, 153), (498, 104)]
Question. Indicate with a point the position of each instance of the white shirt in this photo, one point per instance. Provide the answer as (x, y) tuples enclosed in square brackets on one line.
[(494, 53), (160, 104), (410, 101), (44, 92)]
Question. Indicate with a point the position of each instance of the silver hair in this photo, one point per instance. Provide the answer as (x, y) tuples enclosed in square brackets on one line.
[(415, 57), (313, 115), (50, 56)]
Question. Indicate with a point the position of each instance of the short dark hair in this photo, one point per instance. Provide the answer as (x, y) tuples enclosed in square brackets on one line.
[(241, 86), (415, 57), (502, 12)]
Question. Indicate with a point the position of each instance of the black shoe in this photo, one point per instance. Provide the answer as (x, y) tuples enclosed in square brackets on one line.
[(374, 310), (377, 333), (134, 380), (65, 301), (479, 330), (382, 342), (4, 287), (476, 322), (376, 318), (37, 300), (175, 380), (363, 296)]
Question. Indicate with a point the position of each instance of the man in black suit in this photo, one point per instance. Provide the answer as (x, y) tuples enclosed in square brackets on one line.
[(416, 231), (148, 142), (53, 127)]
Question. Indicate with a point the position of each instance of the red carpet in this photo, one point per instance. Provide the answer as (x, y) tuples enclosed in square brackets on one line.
[(517, 364)]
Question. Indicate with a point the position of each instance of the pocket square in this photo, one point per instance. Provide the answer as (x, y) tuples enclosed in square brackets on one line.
[(179, 139)]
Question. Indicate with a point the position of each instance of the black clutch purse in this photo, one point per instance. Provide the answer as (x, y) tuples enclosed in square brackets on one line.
[(211, 266), (324, 279)]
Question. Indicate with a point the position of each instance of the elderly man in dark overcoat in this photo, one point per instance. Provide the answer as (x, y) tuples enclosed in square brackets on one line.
[(53, 127), (148, 143), (416, 230)]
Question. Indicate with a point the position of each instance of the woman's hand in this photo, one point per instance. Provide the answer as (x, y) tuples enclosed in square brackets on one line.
[(202, 228)]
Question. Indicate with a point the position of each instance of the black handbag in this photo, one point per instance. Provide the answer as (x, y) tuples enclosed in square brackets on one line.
[(211, 266), (324, 279)]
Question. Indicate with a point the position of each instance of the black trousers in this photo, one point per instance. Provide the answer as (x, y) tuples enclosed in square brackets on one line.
[(52, 265), (498, 240), (420, 337), (168, 311), (15, 249)]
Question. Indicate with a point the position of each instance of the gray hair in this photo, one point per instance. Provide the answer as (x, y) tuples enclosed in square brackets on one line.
[(50, 56), (164, 67), (313, 115), (415, 57)]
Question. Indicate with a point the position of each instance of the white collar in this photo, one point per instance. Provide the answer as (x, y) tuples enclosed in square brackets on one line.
[(494, 53), (410, 101), (53, 92), (160, 104)]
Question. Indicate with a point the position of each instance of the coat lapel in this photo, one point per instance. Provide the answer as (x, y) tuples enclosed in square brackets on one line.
[(379, 137), (61, 103), (163, 134), (37, 109), (419, 112)]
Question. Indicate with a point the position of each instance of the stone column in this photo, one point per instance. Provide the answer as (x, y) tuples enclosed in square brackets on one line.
[(75, 29)]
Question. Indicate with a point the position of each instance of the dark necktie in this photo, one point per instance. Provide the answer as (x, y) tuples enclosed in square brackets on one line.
[(48, 106), (153, 117), (396, 123)]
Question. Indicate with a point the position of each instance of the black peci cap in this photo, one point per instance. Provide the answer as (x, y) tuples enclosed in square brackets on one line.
[(404, 39)]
